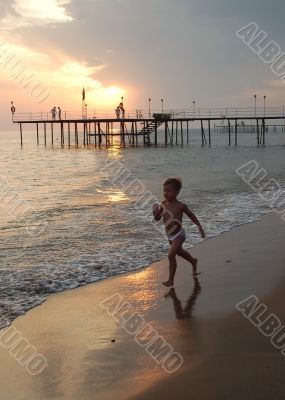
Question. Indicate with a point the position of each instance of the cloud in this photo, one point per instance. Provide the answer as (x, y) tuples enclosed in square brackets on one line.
[(275, 84), (43, 11), (64, 77), (66, 72), (17, 14), (6, 7)]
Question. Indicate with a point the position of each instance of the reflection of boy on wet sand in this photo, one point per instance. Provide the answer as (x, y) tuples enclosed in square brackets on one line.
[(186, 311)]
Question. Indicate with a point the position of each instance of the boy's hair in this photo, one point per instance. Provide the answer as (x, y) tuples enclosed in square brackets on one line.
[(174, 182)]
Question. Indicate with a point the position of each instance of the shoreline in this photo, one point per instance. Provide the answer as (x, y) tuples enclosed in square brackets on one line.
[(76, 335), (164, 259)]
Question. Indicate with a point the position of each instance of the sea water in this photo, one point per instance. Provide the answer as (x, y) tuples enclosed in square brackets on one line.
[(65, 221)]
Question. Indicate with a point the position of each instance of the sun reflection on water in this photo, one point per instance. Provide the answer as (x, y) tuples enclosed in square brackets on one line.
[(117, 197)]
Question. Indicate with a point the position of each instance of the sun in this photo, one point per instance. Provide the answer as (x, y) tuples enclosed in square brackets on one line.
[(111, 95), (113, 91), (108, 96)]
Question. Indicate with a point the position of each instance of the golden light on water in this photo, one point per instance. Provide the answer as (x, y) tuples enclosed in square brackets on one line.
[(117, 197), (115, 151), (113, 195)]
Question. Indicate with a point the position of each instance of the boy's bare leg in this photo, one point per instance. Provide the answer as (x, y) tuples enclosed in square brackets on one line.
[(187, 256), (174, 250), (172, 271)]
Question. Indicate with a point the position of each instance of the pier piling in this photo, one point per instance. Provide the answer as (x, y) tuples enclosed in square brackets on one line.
[(209, 132), (51, 128), (21, 134), (38, 134), (230, 137)]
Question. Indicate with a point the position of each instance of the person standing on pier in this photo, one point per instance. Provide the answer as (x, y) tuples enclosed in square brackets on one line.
[(53, 112), (13, 109), (122, 108), (59, 112), (117, 112)]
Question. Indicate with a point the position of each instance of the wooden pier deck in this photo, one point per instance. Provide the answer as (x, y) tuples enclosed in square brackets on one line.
[(168, 128)]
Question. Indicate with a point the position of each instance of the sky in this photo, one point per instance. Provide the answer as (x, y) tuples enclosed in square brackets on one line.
[(179, 51)]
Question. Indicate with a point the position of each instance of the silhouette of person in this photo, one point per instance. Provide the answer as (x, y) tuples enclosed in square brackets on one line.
[(121, 107), (13, 109), (184, 312), (59, 112), (118, 111), (84, 111), (53, 112)]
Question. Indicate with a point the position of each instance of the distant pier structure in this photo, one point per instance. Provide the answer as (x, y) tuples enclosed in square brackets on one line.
[(170, 127)]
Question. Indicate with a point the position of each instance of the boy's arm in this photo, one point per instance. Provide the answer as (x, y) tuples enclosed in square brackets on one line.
[(157, 211), (194, 219)]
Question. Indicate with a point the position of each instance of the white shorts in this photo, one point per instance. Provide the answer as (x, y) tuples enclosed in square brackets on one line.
[(181, 233)]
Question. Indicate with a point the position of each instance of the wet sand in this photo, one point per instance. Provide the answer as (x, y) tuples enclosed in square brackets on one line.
[(91, 356)]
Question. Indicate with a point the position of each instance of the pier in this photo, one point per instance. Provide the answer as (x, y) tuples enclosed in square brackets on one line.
[(169, 127)]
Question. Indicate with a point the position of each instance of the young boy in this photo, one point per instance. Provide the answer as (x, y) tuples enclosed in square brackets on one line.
[(171, 211)]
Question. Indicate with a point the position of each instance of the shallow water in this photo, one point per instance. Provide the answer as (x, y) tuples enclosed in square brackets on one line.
[(66, 221)]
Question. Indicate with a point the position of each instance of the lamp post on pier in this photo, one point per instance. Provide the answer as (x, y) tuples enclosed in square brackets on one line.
[(194, 108), (254, 105), (264, 100), (162, 106), (149, 100)]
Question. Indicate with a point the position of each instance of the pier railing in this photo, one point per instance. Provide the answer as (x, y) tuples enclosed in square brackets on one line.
[(223, 113), (197, 113)]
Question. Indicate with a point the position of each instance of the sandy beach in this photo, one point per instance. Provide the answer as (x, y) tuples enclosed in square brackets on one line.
[(90, 355)]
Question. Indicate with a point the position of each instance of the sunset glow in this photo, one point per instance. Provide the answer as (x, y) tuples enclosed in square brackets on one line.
[(97, 44), (46, 10)]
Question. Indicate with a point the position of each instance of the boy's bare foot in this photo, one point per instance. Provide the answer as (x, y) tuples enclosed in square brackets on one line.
[(168, 283), (194, 265)]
